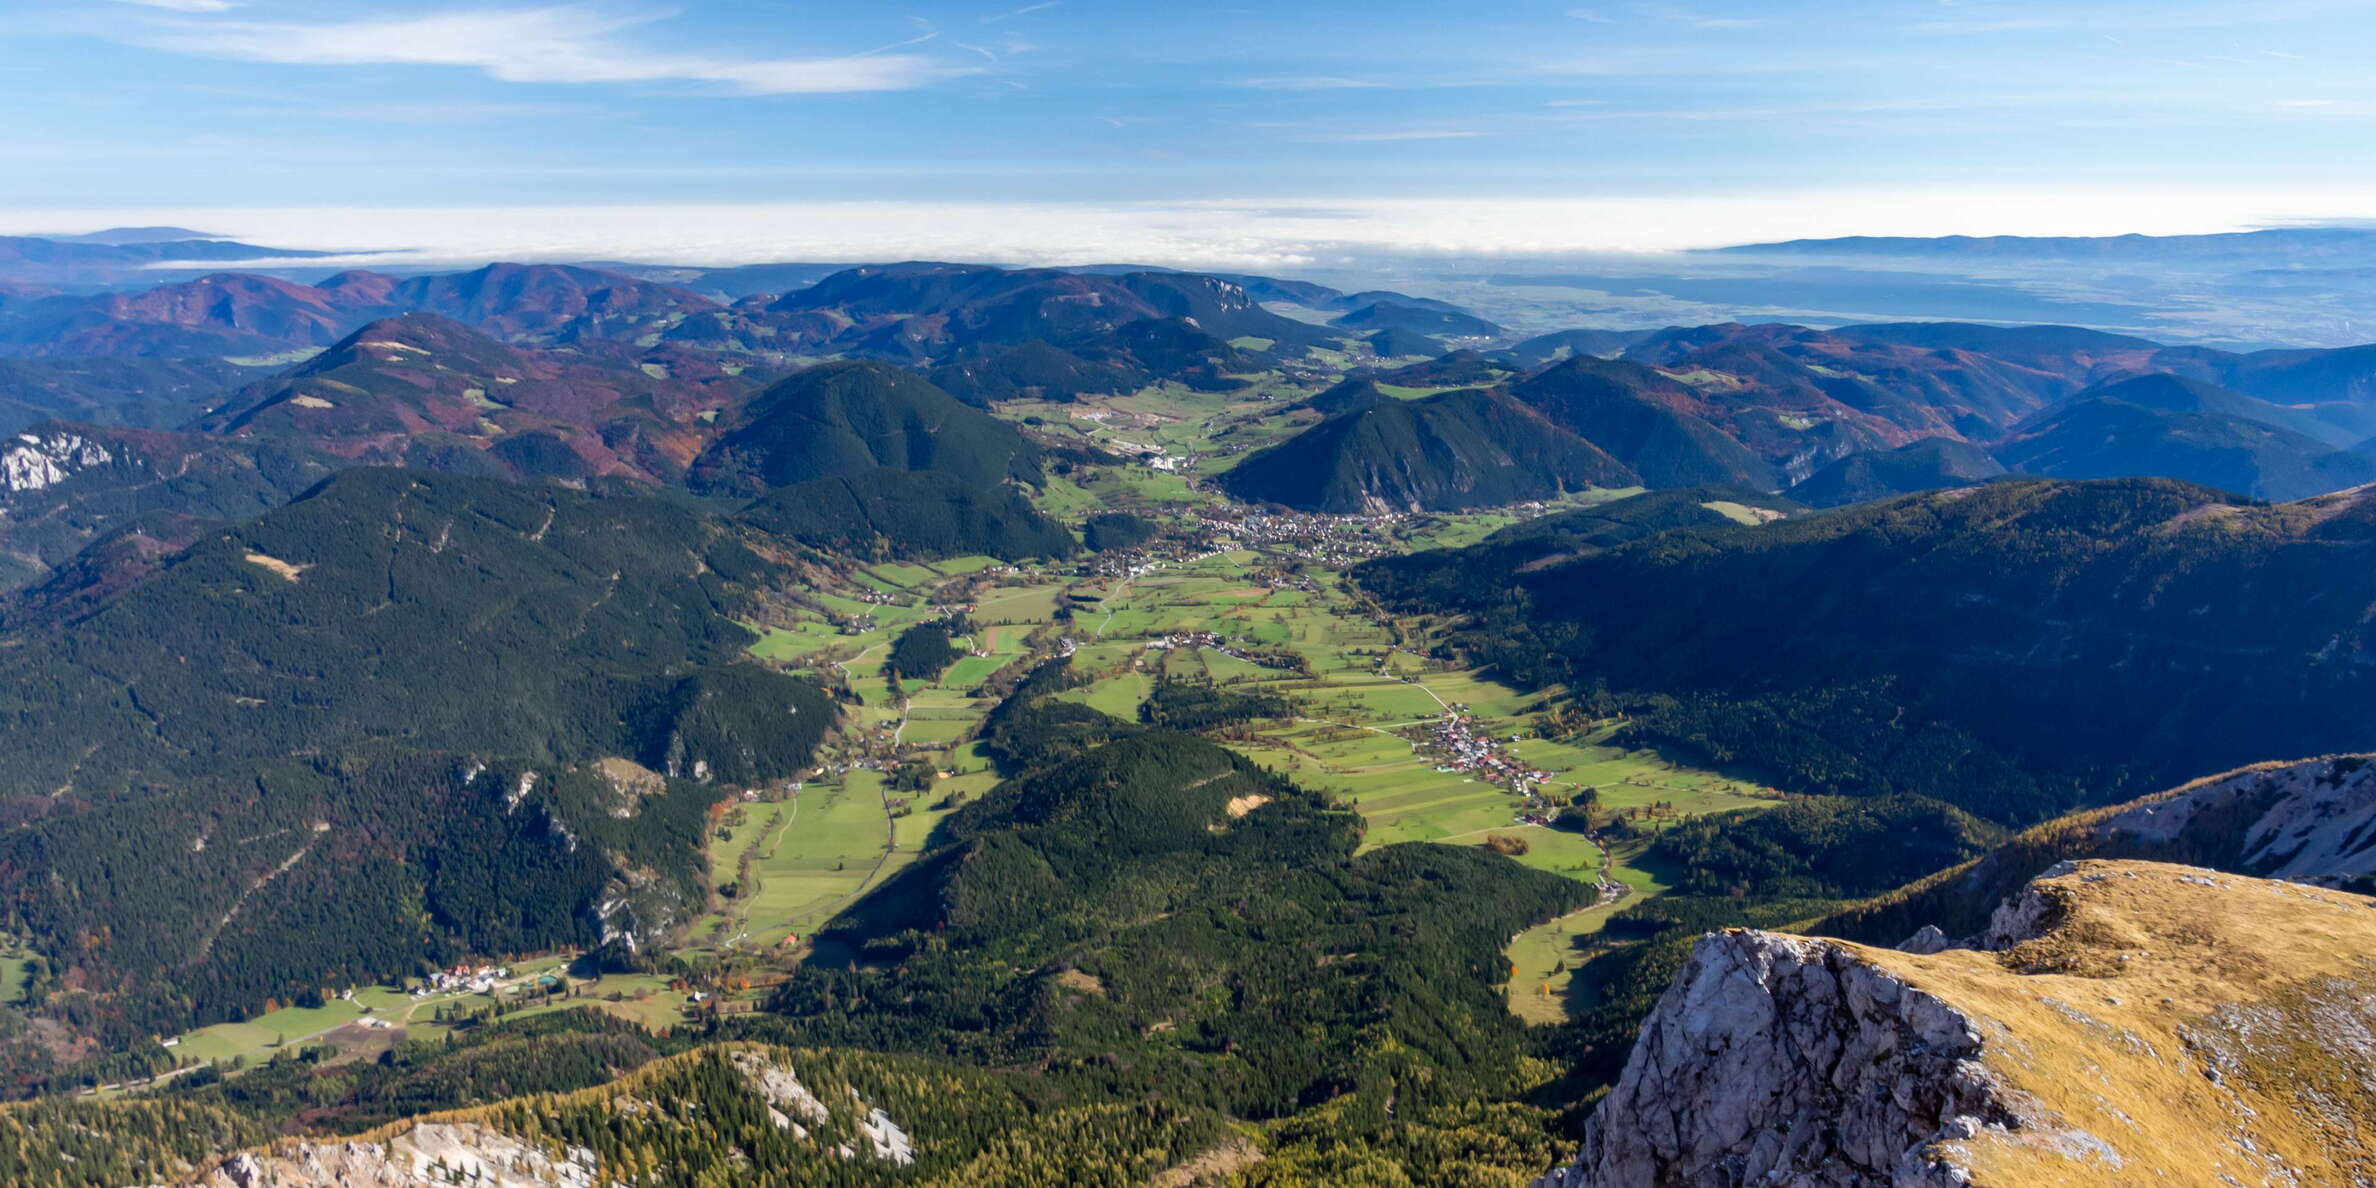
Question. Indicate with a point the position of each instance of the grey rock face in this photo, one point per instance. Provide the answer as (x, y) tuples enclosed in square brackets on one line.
[(2311, 822), (1780, 1060)]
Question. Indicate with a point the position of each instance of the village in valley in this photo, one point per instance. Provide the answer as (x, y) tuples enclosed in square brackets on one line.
[(1383, 717)]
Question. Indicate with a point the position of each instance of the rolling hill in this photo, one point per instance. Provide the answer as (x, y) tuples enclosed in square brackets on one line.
[(919, 312), (221, 314), (425, 391), (1636, 415), (1546, 349), (2107, 436), (1434, 320), (1454, 450), (903, 514), (847, 418), (1932, 464), (1395, 342), (1035, 371), (142, 393), (1458, 369), (553, 302)]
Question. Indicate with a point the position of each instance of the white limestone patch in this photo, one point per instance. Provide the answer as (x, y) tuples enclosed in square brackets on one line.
[(34, 461)]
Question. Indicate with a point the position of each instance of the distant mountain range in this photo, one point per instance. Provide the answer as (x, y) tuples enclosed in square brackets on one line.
[(1895, 408), (2292, 246), (121, 256), (1762, 406)]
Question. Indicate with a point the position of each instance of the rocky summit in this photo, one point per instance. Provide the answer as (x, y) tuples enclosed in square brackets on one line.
[(2118, 1023)]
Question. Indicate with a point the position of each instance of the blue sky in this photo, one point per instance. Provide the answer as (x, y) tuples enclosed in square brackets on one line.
[(2182, 111)]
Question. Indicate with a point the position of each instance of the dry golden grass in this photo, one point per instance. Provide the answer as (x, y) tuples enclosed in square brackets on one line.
[(2209, 1028), (276, 565)]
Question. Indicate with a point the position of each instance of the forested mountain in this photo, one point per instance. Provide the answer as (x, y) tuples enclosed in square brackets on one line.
[(1803, 397), (1487, 574), (1455, 450), (1927, 465), (1435, 321), (1397, 342), (547, 301), (845, 418), (222, 314), (1637, 415), (425, 391), (437, 715), (1155, 912), (141, 393), (1545, 349), (1457, 369), (64, 486), (2107, 436), (349, 616), (2014, 649), (121, 255), (900, 514), (915, 312), (2074, 352), (769, 1117), (1035, 371), (1889, 409), (2165, 392), (1123, 359), (244, 314)]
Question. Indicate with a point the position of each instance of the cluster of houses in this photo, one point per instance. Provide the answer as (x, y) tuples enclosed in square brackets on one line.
[(1467, 749), (1323, 539), (1210, 642), (462, 979)]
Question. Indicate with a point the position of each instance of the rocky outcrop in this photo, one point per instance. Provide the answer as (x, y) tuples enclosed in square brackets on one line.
[(434, 1153), (2312, 821), (46, 458), (2306, 820), (2131, 1023), (832, 1122), (1777, 1059)]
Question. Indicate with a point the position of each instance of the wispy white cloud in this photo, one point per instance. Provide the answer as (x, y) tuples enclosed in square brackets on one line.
[(1691, 18), (1244, 233), (1980, 25), (1026, 10), (1299, 82), (1391, 136), (557, 44), (186, 5), (1993, 16)]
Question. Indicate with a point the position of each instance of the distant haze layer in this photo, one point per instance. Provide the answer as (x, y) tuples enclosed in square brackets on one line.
[(1209, 234)]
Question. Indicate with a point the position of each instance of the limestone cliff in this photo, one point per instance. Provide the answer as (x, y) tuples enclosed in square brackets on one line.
[(2310, 820), (666, 1102), (2126, 1023)]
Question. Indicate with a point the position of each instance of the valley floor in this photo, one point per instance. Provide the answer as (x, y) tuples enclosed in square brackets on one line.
[(1425, 750)]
